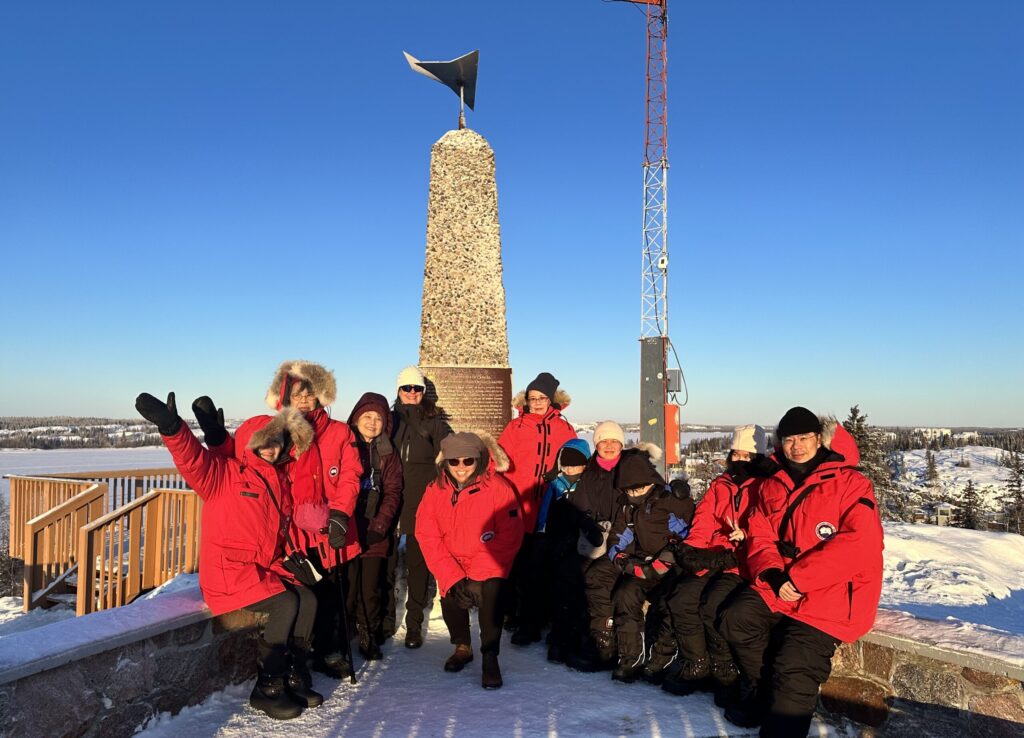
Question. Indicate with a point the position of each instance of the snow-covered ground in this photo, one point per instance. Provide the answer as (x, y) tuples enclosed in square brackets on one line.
[(981, 466)]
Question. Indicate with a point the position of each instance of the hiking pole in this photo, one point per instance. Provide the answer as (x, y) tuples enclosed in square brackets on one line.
[(348, 638)]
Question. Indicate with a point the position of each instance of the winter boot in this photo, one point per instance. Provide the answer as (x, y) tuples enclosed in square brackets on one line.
[(747, 711), (689, 678), (333, 665), (299, 682), (270, 696), (490, 676), (724, 676), (524, 636), (631, 657), (368, 647), (597, 654), (413, 638), (458, 660), (663, 654)]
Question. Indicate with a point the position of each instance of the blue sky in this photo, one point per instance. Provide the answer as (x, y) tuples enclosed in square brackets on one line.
[(192, 192)]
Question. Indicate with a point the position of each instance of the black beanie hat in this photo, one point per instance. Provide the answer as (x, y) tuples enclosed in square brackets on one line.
[(796, 421), (636, 470), (570, 456), (546, 384)]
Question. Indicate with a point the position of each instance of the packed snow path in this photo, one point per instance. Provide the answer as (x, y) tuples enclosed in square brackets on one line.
[(409, 695)]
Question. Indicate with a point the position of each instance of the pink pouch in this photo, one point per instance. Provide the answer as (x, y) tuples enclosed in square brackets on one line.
[(311, 517)]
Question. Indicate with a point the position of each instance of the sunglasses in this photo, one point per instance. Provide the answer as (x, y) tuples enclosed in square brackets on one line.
[(412, 388), (461, 462)]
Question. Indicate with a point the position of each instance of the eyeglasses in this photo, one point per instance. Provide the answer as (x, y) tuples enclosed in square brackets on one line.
[(802, 439), (542, 398), (304, 396), (461, 462), (417, 388)]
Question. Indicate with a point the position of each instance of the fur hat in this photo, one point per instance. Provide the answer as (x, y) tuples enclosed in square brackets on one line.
[(410, 375), (321, 381), (609, 430), (749, 438), (273, 431), (796, 421), (545, 383)]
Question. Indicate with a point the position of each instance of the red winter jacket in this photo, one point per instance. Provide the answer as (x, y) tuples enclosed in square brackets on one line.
[(242, 540), (532, 443), (838, 536), (327, 475), (725, 505), (474, 532)]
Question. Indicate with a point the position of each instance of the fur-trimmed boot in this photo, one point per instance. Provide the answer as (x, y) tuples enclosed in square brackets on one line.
[(270, 696), (299, 682)]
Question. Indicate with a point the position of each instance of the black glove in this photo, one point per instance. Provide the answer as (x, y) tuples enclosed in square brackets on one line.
[(774, 578), (337, 528), (211, 420), (374, 537), (693, 560), (593, 532), (165, 415), (627, 564)]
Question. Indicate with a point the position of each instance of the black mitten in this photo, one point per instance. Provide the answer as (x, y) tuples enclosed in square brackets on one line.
[(211, 420), (774, 578), (337, 528), (374, 537), (164, 415)]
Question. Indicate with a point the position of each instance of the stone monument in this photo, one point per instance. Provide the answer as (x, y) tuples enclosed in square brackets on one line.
[(463, 336)]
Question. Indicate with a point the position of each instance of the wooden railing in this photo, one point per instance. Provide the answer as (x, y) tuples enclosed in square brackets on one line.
[(50, 541), (137, 547), (32, 496)]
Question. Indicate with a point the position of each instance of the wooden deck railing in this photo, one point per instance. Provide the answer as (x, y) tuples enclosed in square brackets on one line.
[(137, 547), (50, 541), (33, 495)]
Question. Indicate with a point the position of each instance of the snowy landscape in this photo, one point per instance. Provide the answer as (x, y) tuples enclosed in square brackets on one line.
[(972, 582)]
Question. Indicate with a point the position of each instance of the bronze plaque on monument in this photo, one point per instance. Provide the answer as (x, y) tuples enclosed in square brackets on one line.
[(475, 398)]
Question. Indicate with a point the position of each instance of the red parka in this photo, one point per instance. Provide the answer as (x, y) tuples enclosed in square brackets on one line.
[(724, 506), (837, 533), (532, 443), (474, 532), (242, 540)]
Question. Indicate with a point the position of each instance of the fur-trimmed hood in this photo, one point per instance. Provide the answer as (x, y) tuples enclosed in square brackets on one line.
[(652, 450), (560, 401), (258, 431), (494, 457), (320, 379)]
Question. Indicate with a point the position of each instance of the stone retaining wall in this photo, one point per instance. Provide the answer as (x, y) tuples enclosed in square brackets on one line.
[(106, 676), (900, 687)]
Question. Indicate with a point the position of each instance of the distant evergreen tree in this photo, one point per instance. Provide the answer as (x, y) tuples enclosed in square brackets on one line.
[(874, 464), (1013, 499), (969, 512), (931, 471)]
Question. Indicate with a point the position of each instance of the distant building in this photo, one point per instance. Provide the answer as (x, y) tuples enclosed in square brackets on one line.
[(941, 513), (930, 433)]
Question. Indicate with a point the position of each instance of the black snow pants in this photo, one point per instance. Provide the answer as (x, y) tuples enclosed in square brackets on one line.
[(795, 658), (290, 615), (456, 617), (694, 604)]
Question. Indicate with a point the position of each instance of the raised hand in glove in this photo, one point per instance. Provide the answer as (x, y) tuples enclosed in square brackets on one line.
[(165, 415), (211, 420), (337, 528)]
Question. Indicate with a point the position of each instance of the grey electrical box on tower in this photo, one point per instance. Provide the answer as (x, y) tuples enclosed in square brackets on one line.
[(675, 380)]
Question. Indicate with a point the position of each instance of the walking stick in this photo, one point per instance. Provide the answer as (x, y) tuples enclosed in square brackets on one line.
[(348, 638)]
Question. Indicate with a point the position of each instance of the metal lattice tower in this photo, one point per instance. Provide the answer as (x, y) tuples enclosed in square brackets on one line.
[(654, 282)]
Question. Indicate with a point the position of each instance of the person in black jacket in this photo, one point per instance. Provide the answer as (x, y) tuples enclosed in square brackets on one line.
[(651, 521), (418, 427)]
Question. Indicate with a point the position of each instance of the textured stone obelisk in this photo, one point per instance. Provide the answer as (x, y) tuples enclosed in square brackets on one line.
[(463, 337)]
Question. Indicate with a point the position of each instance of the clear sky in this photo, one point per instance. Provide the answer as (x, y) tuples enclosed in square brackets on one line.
[(192, 192)]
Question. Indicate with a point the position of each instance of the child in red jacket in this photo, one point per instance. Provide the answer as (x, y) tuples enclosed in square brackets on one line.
[(242, 549), (470, 526)]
